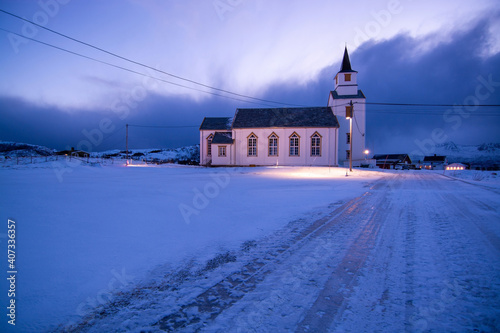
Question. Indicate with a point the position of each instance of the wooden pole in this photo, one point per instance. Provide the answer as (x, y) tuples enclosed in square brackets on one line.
[(126, 141), (350, 139)]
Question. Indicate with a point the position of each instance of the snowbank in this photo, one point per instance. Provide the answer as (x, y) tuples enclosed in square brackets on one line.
[(489, 178)]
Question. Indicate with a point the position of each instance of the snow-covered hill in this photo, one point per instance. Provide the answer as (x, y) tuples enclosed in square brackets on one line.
[(486, 154), (182, 155), (12, 149)]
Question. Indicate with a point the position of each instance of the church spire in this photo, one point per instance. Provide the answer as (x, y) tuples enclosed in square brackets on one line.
[(346, 82), (346, 63)]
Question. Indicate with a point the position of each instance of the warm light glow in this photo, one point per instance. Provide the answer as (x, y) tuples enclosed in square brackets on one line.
[(303, 172), (367, 152), (455, 168), (140, 165)]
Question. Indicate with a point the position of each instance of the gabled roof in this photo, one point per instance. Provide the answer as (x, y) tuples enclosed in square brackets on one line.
[(223, 138), (285, 117), (346, 63), (335, 95), (216, 123), (435, 158)]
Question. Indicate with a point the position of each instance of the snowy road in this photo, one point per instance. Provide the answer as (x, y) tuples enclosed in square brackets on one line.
[(416, 252)]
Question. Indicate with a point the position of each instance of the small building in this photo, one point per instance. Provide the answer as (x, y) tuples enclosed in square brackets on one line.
[(456, 166), (392, 161), (73, 153), (434, 162)]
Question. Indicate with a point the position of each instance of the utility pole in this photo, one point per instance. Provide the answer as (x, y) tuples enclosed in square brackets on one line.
[(351, 115), (126, 140)]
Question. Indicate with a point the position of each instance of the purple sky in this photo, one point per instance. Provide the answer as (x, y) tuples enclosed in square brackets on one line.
[(442, 52)]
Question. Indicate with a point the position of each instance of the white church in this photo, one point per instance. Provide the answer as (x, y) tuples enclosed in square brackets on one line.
[(306, 136)]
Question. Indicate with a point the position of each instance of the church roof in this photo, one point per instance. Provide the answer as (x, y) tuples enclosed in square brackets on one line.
[(335, 95), (285, 117), (223, 137), (346, 63), (216, 123)]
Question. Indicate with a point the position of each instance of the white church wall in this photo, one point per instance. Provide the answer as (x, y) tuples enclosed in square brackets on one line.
[(204, 158), (345, 87), (328, 151), (218, 159), (358, 126)]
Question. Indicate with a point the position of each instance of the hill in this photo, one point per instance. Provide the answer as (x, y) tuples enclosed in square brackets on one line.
[(182, 155), (483, 155), (13, 149)]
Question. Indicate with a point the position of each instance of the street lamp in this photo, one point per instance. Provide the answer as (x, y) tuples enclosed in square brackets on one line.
[(349, 115), (366, 154)]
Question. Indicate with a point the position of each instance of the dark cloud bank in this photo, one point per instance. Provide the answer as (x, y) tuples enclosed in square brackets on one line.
[(395, 71)]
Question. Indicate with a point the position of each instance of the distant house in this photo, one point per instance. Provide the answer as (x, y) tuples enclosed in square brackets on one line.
[(392, 161), (300, 136), (73, 153), (456, 166), (434, 162)]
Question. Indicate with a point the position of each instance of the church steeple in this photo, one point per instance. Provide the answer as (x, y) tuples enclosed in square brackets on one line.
[(346, 63), (346, 79), (347, 100)]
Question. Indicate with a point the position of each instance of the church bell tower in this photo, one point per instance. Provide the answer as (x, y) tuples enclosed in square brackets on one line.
[(346, 100)]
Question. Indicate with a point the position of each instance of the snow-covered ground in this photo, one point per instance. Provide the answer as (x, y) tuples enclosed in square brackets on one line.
[(149, 248), (487, 178), (85, 233)]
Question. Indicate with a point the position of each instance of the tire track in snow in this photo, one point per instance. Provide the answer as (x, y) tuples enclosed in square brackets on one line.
[(331, 300), (194, 310), (446, 267), (212, 302)]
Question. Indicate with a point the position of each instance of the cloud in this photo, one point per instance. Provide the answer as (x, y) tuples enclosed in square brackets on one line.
[(450, 73), (398, 71), (395, 70)]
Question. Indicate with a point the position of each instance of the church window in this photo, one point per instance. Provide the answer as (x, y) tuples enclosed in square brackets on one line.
[(209, 145), (348, 111), (347, 154), (347, 77), (316, 144), (348, 137), (222, 151), (252, 145), (273, 145), (294, 144)]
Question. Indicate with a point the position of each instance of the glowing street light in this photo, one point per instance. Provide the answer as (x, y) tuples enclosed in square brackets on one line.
[(366, 154), (349, 115)]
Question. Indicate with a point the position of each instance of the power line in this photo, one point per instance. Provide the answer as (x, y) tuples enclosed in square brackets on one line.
[(198, 83), (440, 105), (130, 70), (433, 114), (144, 65), (162, 126)]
